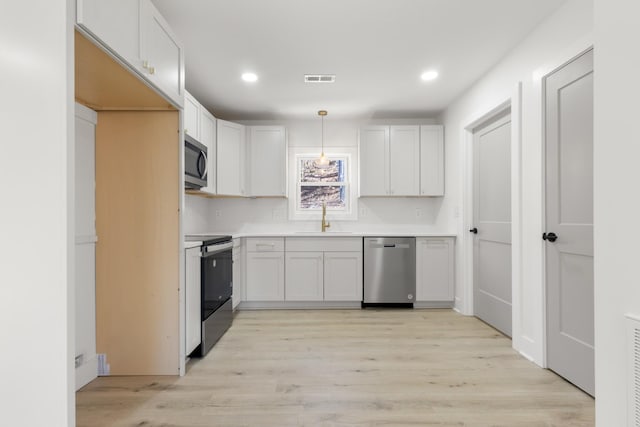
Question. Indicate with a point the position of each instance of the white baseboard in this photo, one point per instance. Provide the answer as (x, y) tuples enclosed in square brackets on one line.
[(86, 372), (433, 304), (298, 305)]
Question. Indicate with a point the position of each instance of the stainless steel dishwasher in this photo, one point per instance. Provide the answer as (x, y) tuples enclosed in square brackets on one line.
[(389, 271)]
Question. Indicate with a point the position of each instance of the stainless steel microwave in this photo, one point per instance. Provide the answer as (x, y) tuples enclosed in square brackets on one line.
[(195, 163)]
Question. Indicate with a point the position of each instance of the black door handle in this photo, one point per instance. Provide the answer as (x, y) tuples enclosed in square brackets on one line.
[(474, 230), (552, 237)]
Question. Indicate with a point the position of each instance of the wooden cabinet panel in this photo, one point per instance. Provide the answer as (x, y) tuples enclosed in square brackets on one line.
[(136, 33), (343, 276), (304, 276)]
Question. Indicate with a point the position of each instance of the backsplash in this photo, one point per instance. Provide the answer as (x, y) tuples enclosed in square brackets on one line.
[(264, 215)]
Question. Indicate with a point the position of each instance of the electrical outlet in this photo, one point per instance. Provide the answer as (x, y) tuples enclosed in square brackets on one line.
[(363, 211), (79, 360), (278, 214), (418, 212), (218, 213)]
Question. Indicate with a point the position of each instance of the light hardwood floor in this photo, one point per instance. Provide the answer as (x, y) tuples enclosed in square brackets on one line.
[(346, 368)]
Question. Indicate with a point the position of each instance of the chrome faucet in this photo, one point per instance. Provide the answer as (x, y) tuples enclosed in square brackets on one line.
[(325, 223)]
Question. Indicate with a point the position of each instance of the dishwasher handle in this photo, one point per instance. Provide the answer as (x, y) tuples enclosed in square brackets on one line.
[(389, 245)]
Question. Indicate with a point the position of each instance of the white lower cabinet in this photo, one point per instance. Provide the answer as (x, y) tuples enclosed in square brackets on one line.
[(192, 298), (264, 269), (304, 272), (238, 272), (323, 269), (343, 276), (435, 272)]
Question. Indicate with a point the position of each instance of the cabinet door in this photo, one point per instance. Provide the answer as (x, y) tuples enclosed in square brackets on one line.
[(435, 269), (432, 160), (374, 171), (238, 272), (343, 276), (192, 299), (304, 276), (161, 53), (267, 161), (230, 161), (208, 138), (404, 160), (115, 23), (192, 116), (265, 276)]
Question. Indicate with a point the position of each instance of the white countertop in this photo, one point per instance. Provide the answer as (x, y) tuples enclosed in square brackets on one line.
[(236, 234)]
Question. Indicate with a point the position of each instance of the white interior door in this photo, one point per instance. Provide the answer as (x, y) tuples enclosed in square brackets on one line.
[(492, 224), (569, 222)]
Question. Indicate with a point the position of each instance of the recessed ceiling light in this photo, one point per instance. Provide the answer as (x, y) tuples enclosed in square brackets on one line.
[(429, 75), (250, 77)]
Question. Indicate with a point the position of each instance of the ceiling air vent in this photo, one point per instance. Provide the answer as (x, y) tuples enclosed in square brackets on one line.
[(319, 78)]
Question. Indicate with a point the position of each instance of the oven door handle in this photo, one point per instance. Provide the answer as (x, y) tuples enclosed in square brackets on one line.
[(211, 250)]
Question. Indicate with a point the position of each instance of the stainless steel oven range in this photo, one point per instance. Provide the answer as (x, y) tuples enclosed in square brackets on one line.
[(216, 268)]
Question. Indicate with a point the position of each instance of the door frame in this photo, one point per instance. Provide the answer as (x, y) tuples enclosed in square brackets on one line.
[(514, 103), (543, 202)]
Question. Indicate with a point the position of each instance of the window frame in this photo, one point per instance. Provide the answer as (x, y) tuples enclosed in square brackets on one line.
[(349, 156)]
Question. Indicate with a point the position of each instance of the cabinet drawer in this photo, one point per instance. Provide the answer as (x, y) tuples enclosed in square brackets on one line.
[(324, 244), (268, 244)]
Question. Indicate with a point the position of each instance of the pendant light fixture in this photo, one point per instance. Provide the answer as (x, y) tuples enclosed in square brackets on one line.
[(322, 161)]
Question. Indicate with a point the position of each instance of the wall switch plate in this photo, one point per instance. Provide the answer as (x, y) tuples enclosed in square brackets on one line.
[(278, 214)]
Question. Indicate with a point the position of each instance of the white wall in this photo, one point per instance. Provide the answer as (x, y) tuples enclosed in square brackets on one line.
[(36, 214), (555, 41), (375, 214), (196, 215), (617, 205)]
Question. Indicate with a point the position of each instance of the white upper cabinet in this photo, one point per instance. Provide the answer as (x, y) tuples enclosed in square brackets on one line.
[(201, 125), (404, 161), (432, 160), (161, 53), (208, 138), (374, 174), (191, 116), (267, 161), (135, 32), (230, 158), (401, 161), (115, 23)]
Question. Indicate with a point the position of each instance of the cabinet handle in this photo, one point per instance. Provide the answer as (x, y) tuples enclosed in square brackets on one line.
[(145, 64), (152, 70)]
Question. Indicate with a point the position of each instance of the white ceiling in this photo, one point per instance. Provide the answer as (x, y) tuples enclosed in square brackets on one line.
[(377, 49)]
